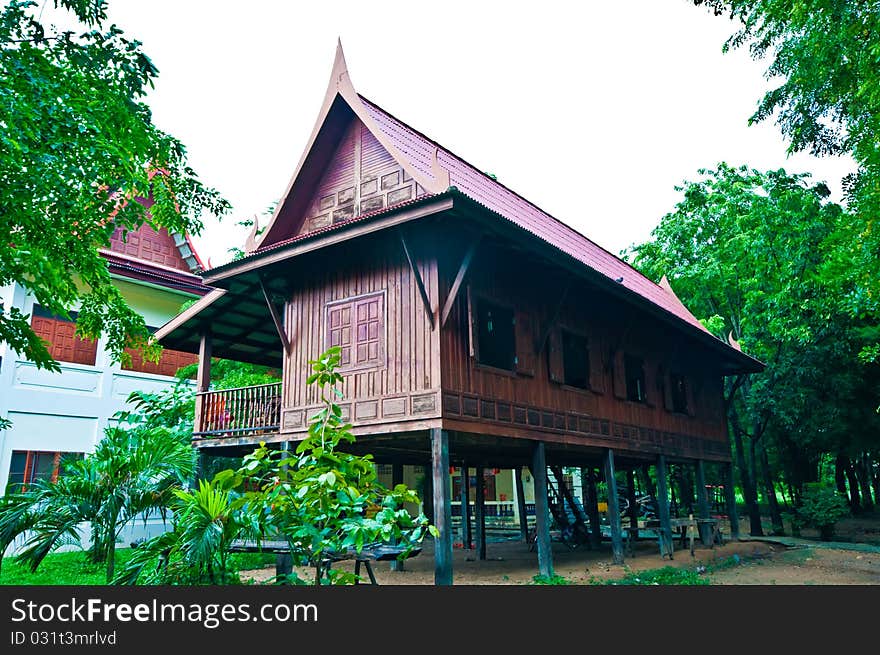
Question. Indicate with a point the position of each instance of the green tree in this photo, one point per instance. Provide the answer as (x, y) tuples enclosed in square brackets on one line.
[(79, 155), (748, 251), (133, 472), (823, 65)]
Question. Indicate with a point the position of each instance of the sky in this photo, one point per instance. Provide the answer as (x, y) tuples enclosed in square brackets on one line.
[(593, 111)]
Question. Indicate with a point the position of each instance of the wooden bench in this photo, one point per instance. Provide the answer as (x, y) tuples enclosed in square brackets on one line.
[(686, 529), (369, 553)]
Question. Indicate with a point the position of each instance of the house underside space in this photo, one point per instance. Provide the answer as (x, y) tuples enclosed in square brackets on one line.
[(552, 509)]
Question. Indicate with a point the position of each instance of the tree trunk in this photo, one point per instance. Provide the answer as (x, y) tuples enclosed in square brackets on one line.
[(632, 506), (753, 467), (750, 494), (111, 560), (863, 472), (855, 502), (876, 474), (593, 509), (840, 474), (685, 488), (770, 491)]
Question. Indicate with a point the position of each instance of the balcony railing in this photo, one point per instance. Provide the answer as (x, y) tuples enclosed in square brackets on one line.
[(238, 412)]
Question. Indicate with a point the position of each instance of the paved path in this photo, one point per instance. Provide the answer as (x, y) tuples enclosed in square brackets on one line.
[(795, 542)]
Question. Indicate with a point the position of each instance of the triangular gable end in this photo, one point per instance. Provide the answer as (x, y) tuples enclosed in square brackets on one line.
[(171, 250), (361, 177), (349, 167)]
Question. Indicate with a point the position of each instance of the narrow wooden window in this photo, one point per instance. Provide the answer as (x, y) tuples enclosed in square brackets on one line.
[(524, 357), (496, 336), (61, 340), (576, 360), (679, 392), (357, 327), (635, 378)]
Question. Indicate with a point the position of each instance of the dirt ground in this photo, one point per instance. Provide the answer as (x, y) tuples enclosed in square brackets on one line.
[(733, 563)]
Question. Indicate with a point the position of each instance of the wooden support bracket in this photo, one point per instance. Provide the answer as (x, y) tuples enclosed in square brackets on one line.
[(275, 318), (459, 278), (419, 282)]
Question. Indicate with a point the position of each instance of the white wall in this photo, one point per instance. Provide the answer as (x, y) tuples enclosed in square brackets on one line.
[(68, 411)]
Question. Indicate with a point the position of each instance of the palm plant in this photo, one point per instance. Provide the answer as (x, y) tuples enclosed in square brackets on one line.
[(206, 522), (131, 474)]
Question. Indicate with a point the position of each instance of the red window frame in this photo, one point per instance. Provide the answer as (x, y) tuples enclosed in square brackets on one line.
[(31, 459)]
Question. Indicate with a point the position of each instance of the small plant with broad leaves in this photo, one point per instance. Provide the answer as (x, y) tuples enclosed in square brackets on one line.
[(327, 502)]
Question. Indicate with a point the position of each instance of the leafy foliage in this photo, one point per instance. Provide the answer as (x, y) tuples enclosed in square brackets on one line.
[(197, 551), (823, 58), (133, 472), (228, 374), (553, 580), (80, 157), (754, 254), (821, 507), (326, 501), (322, 500)]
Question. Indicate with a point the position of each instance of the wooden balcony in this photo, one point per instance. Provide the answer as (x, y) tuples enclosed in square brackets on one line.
[(238, 412)]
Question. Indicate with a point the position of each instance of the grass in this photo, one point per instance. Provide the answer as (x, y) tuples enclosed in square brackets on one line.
[(551, 580), (71, 568), (668, 575)]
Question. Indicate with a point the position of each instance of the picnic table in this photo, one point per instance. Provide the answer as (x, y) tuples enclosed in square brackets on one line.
[(378, 552)]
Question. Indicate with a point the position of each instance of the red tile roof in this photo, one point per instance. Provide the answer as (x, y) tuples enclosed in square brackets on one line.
[(420, 151)]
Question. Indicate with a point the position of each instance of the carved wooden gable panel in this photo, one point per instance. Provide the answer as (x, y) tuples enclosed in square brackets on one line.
[(362, 177), (150, 245)]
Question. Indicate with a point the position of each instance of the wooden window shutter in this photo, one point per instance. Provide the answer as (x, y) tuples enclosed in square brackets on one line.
[(63, 344), (651, 392), (369, 331), (85, 351), (666, 383), (689, 390), (473, 346), (555, 363), (597, 366), (525, 344), (618, 373), (339, 332)]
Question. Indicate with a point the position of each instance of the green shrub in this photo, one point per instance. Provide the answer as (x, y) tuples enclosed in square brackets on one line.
[(821, 508)]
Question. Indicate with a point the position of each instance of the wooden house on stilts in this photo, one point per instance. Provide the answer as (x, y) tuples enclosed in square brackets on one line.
[(476, 330)]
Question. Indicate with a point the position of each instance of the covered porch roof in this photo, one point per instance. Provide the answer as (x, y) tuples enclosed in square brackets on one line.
[(239, 322)]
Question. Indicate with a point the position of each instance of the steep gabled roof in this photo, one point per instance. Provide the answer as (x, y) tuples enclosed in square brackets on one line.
[(422, 152), (436, 168), (445, 179)]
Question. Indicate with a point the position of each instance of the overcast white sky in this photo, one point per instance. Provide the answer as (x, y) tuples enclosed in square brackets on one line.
[(593, 111)]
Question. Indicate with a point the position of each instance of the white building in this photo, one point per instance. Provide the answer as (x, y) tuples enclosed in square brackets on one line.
[(66, 412)]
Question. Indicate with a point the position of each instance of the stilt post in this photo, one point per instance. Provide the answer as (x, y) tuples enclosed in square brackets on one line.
[(442, 507)]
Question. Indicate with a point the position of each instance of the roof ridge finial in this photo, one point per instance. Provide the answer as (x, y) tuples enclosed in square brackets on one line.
[(438, 172), (340, 67), (250, 243)]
